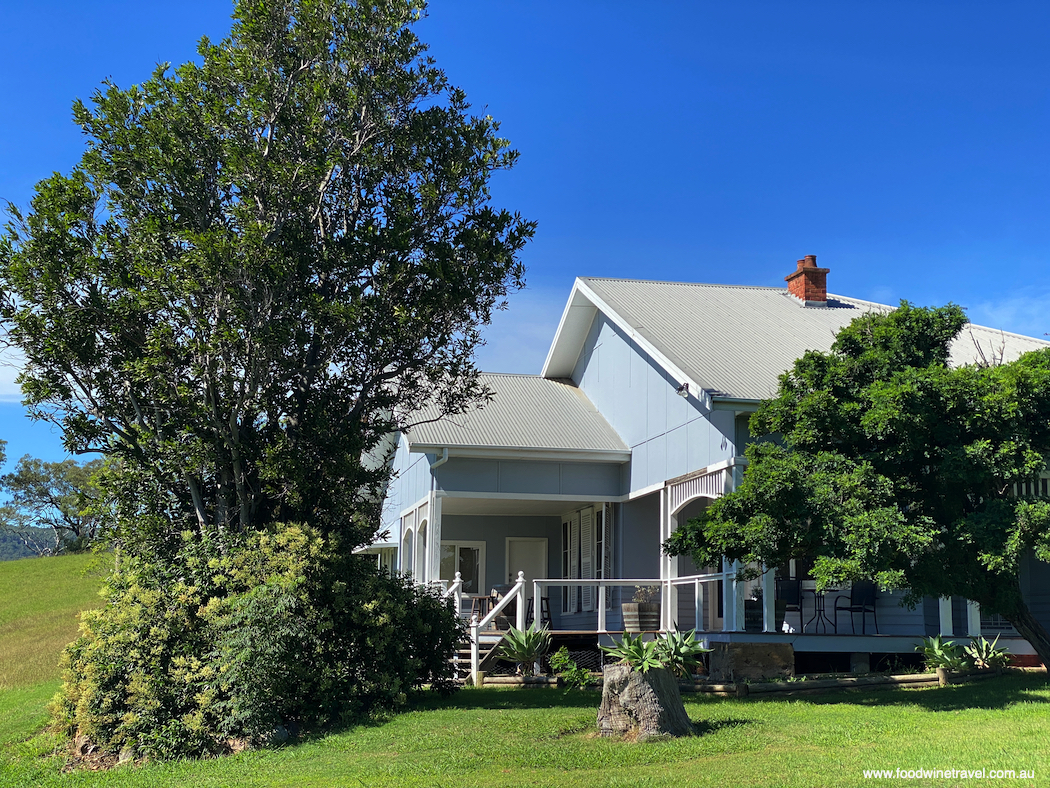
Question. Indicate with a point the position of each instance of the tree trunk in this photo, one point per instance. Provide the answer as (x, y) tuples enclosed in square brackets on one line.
[(641, 705), (1030, 629)]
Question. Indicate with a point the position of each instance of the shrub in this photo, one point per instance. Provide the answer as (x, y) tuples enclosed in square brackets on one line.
[(564, 666), (681, 652), (525, 646), (633, 650), (984, 655), (678, 652), (238, 637), (941, 654)]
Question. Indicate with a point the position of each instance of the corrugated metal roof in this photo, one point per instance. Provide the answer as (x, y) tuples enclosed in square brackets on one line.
[(735, 341), (527, 412)]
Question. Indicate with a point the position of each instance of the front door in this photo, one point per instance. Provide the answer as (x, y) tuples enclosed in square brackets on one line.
[(528, 555)]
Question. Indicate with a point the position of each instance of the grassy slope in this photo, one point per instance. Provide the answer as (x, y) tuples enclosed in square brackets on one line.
[(543, 737), (39, 602)]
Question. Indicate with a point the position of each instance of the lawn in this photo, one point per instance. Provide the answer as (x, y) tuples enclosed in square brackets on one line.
[(40, 599), (514, 737)]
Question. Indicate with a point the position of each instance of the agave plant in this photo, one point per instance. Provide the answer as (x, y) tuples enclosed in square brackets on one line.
[(525, 647), (942, 654), (984, 655), (680, 652), (634, 651)]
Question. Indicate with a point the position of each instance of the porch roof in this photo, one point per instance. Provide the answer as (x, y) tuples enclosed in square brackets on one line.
[(733, 341), (527, 413)]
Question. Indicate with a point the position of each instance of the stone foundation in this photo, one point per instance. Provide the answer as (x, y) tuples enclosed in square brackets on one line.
[(739, 661)]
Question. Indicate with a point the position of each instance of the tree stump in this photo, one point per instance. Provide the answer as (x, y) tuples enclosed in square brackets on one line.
[(641, 705)]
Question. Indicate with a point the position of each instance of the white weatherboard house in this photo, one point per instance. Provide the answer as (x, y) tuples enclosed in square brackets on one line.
[(639, 419)]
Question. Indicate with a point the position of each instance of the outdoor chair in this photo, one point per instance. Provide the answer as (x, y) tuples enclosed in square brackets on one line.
[(789, 591), (861, 600), (545, 612)]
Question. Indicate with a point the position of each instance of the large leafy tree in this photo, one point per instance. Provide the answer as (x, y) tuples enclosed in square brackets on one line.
[(891, 464), (263, 262)]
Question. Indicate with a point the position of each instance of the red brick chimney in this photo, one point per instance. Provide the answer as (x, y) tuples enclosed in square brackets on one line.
[(809, 284)]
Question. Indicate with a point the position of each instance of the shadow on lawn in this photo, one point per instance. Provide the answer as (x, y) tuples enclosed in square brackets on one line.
[(997, 693), (515, 698), (704, 727)]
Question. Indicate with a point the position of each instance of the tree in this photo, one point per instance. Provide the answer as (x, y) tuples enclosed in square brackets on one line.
[(890, 464), (53, 498), (263, 263)]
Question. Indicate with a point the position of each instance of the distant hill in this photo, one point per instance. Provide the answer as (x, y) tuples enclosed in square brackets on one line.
[(12, 547)]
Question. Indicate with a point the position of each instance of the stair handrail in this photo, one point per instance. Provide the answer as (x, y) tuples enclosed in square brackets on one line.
[(516, 593), (455, 591)]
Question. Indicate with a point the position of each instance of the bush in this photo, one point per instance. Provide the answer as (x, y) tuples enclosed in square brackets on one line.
[(566, 668), (525, 647), (235, 639), (676, 651)]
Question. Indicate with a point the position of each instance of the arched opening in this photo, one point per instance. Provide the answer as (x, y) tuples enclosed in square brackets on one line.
[(712, 595), (408, 553), (421, 553)]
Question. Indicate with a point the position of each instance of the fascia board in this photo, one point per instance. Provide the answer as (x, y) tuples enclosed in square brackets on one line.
[(663, 361), (518, 453), (493, 496), (734, 403), (568, 340)]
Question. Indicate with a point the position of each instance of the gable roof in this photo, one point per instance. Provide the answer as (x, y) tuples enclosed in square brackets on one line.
[(529, 415), (731, 342)]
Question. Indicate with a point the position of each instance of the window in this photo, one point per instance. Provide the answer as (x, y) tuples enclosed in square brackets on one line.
[(467, 558), (586, 552)]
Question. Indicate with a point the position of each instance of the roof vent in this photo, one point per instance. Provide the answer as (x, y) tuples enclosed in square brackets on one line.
[(809, 284)]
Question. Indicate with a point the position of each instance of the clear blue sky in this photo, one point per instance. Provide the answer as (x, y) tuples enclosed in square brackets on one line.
[(903, 143)]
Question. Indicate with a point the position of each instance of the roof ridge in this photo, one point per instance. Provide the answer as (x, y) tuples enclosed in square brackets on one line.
[(682, 284)]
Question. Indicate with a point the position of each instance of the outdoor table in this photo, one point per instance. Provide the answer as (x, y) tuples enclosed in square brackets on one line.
[(819, 618)]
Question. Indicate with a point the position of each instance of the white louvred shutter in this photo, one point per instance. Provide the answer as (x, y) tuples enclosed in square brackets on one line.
[(607, 548), (587, 556), (574, 560)]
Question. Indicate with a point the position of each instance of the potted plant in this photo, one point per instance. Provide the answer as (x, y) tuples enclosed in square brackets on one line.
[(642, 613)]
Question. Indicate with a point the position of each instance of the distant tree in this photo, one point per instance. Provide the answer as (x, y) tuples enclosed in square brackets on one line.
[(54, 498), (897, 467)]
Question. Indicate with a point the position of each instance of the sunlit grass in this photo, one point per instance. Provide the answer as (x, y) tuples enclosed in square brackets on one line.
[(541, 737), (519, 737), (39, 602)]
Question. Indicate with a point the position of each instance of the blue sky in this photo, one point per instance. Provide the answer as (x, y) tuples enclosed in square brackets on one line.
[(903, 143)]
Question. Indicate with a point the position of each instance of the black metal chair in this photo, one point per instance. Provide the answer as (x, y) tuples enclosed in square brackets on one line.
[(789, 591), (861, 600)]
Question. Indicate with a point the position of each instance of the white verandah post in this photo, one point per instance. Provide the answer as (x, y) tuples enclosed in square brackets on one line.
[(769, 609), (668, 564)]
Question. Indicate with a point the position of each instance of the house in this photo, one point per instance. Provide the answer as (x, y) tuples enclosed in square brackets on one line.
[(637, 421)]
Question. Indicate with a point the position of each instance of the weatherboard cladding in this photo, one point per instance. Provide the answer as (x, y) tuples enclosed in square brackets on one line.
[(735, 341), (526, 412)]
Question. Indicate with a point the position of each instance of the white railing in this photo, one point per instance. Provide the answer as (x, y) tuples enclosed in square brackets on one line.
[(696, 581), (516, 593), (539, 585), (455, 592)]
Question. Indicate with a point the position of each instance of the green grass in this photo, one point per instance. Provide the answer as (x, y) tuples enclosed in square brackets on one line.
[(509, 737), (40, 599)]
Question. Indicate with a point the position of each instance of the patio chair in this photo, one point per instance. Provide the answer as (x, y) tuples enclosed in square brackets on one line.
[(545, 612), (789, 591), (861, 600)]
